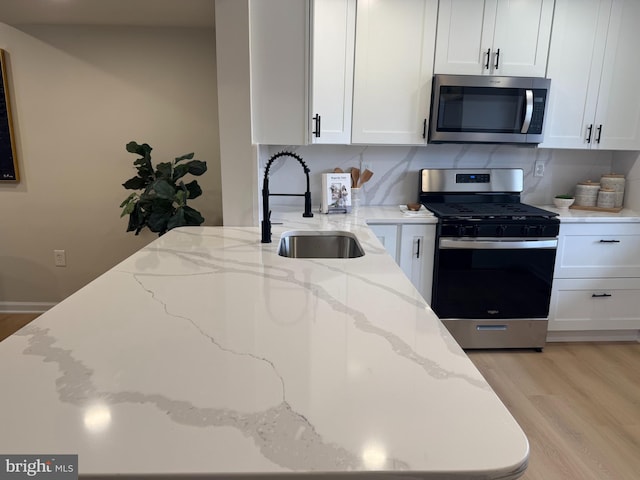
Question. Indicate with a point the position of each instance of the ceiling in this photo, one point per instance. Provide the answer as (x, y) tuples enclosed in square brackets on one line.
[(174, 13)]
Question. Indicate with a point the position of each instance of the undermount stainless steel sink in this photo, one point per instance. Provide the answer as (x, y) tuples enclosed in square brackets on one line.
[(319, 244)]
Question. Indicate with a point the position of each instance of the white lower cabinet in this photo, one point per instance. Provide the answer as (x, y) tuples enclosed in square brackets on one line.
[(595, 304), (388, 236), (413, 250), (596, 283)]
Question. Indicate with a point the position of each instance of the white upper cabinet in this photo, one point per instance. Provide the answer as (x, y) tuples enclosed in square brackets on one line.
[(594, 69), (333, 34), (493, 37), (301, 56), (279, 49), (393, 71)]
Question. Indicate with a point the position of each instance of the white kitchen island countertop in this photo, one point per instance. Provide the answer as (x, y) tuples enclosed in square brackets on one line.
[(206, 353)]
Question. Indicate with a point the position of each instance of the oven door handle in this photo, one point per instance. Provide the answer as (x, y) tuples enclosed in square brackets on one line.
[(512, 244)]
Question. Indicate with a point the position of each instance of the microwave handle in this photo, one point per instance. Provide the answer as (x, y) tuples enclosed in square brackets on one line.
[(528, 113)]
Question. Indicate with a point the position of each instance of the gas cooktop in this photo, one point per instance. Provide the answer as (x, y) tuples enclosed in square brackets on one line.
[(487, 210)]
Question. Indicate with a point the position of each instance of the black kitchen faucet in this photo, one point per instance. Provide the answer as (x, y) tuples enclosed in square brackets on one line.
[(266, 213)]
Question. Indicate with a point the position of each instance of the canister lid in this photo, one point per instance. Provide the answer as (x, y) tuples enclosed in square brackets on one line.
[(612, 175), (590, 183)]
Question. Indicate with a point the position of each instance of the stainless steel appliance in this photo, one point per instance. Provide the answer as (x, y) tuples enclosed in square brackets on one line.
[(494, 257), (486, 109)]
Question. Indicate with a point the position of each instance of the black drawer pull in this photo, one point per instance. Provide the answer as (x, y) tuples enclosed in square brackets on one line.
[(600, 295), (609, 241)]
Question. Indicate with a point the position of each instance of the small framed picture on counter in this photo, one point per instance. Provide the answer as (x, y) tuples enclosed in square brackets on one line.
[(336, 193), (8, 159)]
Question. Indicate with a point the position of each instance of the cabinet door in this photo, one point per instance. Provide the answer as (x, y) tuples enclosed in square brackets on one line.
[(464, 40), (617, 119), (576, 55), (595, 304), (388, 236), (333, 39), (279, 47), (393, 71), (496, 37), (521, 38), (598, 250), (417, 243)]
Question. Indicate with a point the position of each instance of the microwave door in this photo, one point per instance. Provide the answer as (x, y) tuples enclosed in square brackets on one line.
[(469, 114)]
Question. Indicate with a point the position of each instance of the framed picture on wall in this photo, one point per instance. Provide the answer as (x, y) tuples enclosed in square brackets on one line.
[(8, 159)]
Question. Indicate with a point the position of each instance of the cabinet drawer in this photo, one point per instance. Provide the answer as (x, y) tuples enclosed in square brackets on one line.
[(598, 250), (595, 304)]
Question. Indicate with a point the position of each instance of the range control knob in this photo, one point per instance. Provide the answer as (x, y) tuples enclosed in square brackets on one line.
[(461, 231), (528, 230), (500, 230)]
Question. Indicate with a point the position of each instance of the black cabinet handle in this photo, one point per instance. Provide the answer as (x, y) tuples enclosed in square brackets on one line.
[(316, 132), (486, 65), (424, 128), (418, 250), (589, 129), (609, 241), (600, 295), (497, 59), (599, 134)]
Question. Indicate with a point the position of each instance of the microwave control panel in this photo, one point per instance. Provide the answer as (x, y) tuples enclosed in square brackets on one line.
[(539, 101)]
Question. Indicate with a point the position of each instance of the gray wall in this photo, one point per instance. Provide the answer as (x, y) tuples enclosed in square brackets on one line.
[(79, 94)]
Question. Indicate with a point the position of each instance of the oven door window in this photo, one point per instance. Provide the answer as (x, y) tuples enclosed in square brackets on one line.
[(480, 109), (505, 283)]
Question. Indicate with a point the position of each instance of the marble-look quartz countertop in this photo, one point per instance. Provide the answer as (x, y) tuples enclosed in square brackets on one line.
[(573, 215), (206, 353)]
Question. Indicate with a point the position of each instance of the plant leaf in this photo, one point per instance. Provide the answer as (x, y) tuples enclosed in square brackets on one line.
[(164, 189), (197, 167), (177, 219), (128, 199), (194, 189), (163, 170), (143, 150), (136, 220), (128, 205), (143, 164), (180, 171), (181, 197), (187, 156), (157, 221), (135, 183), (192, 216)]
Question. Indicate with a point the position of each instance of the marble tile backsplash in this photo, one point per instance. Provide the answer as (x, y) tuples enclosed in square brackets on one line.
[(396, 169)]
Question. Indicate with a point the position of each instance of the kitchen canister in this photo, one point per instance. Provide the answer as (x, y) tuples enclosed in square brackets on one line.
[(616, 183), (606, 198), (587, 193)]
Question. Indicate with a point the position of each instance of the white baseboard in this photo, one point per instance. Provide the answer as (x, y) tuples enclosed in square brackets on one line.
[(25, 307), (594, 336)]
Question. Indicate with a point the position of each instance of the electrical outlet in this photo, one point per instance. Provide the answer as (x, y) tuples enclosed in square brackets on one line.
[(60, 258), (538, 169)]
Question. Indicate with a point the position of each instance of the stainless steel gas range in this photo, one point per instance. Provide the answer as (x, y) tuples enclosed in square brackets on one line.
[(494, 257)]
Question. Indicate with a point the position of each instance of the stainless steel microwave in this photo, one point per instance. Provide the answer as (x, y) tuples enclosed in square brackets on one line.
[(485, 109)]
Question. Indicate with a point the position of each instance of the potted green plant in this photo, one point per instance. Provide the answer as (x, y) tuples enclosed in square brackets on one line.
[(162, 204), (563, 201)]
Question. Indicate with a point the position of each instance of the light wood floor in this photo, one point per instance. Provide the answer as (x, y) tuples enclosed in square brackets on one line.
[(578, 403), (10, 322)]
